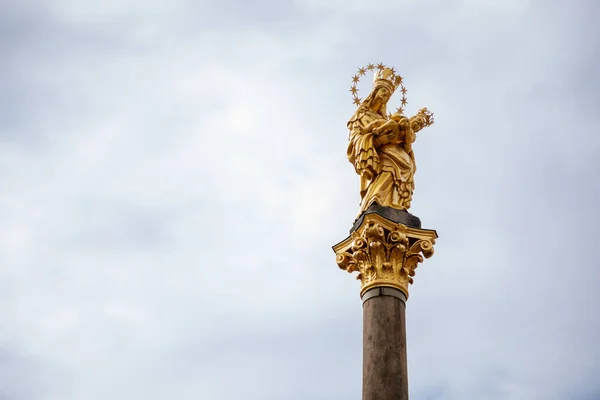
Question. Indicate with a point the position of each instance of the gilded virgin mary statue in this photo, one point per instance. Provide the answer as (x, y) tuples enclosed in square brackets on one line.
[(380, 146)]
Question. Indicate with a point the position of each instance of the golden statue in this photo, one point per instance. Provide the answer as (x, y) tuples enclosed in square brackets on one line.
[(380, 145)]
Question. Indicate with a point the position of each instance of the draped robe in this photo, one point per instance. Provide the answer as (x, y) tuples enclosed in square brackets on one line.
[(386, 168)]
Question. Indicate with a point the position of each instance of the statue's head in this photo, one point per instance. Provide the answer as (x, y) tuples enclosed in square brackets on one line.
[(384, 86), (377, 100), (382, 94), (385, 83), (385, 79), (423, 119), (417, 123)]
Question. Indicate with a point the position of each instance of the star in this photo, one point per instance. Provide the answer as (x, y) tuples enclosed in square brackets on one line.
[(393, 70), (400, 80), (380, 66), (404, 102), (355, 78), (353, 89), (362, 71), (404, 90), (356, 101), (370, 67)]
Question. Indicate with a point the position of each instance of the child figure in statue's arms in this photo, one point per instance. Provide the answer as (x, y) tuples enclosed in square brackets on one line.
[(400, 129)]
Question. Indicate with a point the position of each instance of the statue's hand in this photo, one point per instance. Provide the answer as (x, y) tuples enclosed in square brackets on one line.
[(389, 126), (372, 126), (379, 130)]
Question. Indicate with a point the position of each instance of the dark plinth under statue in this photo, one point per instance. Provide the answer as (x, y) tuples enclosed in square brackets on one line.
[(397, 216)]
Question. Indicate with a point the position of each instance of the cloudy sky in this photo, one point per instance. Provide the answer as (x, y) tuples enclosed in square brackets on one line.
[(173, 175)]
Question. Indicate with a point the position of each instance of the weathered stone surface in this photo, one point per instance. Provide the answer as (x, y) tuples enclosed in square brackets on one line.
[(385, 369)]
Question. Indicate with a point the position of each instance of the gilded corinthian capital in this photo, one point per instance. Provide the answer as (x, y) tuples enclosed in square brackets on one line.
[(384, 253)]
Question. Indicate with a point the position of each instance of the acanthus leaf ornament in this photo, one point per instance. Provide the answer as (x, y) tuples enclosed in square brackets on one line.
[(384, 253)]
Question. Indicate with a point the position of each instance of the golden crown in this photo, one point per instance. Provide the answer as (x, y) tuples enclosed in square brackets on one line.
[(383, 76)]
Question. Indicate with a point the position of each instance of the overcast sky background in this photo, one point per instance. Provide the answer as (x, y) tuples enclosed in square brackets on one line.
[(173, 176)]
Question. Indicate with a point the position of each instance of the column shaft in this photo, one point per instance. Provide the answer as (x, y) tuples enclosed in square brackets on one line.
[(385, 369)]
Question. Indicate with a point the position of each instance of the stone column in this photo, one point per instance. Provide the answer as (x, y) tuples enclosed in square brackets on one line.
[(385, 369), (385, 253)]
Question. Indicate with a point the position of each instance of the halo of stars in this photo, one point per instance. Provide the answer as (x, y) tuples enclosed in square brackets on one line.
[(397, 81)]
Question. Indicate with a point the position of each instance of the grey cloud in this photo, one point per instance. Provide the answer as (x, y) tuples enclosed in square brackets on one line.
[(173, 179)]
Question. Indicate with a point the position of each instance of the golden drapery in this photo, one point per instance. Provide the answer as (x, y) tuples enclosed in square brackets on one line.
[(386, 167)]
